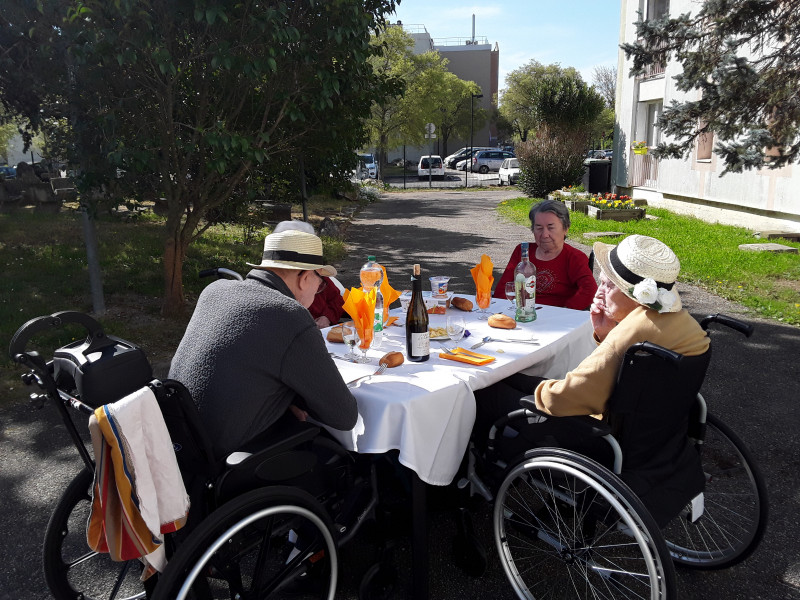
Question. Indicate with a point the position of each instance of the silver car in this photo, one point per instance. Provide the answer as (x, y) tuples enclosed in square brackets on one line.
[(489, 160)]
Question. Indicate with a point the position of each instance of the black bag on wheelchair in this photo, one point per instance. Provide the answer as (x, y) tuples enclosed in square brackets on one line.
[(102, 368)]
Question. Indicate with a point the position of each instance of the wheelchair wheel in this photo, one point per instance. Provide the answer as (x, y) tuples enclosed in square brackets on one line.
[(71, 569), (566, 527), (269, 543), (736, 508)]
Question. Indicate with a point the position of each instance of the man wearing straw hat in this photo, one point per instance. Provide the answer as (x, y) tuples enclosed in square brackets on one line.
[(636, 301), (252, 351)]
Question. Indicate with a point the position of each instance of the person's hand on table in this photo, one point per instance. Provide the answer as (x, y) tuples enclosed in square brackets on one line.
[(298, 412), (602, 322), (322, 322)]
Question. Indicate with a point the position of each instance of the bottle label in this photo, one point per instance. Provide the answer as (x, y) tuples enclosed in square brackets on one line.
[(420, 344), (378, 320)]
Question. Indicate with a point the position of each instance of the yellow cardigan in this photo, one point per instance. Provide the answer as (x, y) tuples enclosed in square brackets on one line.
[(586, 389)]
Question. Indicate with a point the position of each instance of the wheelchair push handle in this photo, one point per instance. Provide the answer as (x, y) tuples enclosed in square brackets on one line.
[(96, 337), (220, 272), (736, 324), (655, 350)]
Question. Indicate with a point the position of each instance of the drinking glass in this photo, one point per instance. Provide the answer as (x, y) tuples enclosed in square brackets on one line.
[(456, 328), (349, 336), (511, 294), (483, 301), (363, 344)]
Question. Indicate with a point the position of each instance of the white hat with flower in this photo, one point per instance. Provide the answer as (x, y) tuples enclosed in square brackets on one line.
[(644, 268)]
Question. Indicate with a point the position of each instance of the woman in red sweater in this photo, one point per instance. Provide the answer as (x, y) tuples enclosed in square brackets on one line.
[(563, 277)]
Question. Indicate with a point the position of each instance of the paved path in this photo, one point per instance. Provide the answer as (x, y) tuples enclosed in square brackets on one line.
[(753, 383)]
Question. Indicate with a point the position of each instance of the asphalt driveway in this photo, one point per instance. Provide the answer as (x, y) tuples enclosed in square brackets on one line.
[(754, 384)]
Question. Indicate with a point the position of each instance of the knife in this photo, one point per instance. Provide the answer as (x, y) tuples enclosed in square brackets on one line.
[(350, 360)]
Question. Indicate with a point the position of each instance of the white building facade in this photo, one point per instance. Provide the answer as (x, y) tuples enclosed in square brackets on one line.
[(765, 199)]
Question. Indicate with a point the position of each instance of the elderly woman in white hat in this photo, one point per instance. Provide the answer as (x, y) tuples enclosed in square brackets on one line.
[(252, 351), (635, 302)]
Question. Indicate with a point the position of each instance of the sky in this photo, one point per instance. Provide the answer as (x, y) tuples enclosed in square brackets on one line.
[(574, 33)]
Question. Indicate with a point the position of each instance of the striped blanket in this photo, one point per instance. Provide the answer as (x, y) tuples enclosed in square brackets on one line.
[(138, 493)]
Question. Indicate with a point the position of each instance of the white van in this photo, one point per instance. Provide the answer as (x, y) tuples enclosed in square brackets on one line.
[(430, 166), (370, 164)]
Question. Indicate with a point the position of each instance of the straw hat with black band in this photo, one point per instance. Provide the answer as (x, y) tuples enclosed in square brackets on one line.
[(644, 268), (296, 250)]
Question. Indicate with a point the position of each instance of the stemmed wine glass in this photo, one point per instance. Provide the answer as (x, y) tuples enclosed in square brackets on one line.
[(511, 294), (349, 336), (363, 344), (483, 301), (455, 328)]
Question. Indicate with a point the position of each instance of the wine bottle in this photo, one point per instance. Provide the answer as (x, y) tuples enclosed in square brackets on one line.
[(418, 344), (525, 287)]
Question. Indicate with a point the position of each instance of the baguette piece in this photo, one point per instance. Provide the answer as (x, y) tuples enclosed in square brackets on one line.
[(461, 304), (501, 321), (335, 334)]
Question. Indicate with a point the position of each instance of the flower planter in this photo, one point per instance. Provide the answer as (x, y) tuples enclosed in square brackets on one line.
[(616, 214), (640, 150), (578, 205)]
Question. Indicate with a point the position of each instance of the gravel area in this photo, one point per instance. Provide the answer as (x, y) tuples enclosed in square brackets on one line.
[(753, 383)]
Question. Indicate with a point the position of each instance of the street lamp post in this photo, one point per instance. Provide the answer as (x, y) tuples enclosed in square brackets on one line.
[(468, 165)]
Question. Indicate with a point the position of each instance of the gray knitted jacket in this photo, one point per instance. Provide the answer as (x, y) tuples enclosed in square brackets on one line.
[(249, 351)]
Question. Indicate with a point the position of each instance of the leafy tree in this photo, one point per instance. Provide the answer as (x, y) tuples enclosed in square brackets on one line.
[(741, 58), (537, 94), (194, 101), (7, 133), (604, 79), (442, 98), (550, 160), (395, 119)]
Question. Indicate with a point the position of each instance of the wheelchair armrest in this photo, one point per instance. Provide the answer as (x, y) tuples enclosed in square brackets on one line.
[(736, 324), (270, 444), (586, 424)]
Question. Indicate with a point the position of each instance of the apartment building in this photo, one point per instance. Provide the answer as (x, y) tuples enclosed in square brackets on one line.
[(765, 199), (471, 58)]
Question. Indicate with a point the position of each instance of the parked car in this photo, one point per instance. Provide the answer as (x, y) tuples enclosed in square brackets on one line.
[(370, 164), (453, 159), (7, 172), (509, 171), (430, 166), (489, 160)]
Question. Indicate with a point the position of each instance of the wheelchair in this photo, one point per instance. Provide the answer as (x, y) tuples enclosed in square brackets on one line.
[(265, 522), (681, 489)]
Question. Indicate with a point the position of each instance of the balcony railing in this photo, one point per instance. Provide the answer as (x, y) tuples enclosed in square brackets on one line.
[(644, 171), (654, 70)]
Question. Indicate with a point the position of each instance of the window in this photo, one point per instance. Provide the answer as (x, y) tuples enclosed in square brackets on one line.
[(653, 132), (657, 9), (705, 143)]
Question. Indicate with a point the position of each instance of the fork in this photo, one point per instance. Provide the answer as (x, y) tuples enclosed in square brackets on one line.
[(378, 371), (445, 348)]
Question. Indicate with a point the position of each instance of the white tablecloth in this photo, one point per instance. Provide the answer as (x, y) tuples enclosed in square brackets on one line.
[(427, 410)]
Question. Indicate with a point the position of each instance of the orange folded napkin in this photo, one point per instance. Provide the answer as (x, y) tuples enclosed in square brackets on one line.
[(361, 308), (482, 276), (467, 356), (390, 321), (388, 292)]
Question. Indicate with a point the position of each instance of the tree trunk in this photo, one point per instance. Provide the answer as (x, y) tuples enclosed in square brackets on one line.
[(93, 262), (174, 253)]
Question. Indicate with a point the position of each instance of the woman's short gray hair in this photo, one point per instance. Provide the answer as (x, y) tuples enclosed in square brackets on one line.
[(559, 209)]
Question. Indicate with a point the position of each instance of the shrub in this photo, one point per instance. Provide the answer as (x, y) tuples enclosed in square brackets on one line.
[(551, 160)]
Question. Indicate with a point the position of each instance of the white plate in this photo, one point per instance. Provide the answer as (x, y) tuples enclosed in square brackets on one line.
[(440, 338)]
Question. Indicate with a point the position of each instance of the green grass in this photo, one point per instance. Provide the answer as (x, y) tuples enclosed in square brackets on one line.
[(43, 259), (768, 283)]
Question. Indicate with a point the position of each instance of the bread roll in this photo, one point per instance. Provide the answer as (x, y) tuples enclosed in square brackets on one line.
[(392, 359), (462, 304), (335, 334), (501, 321)]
